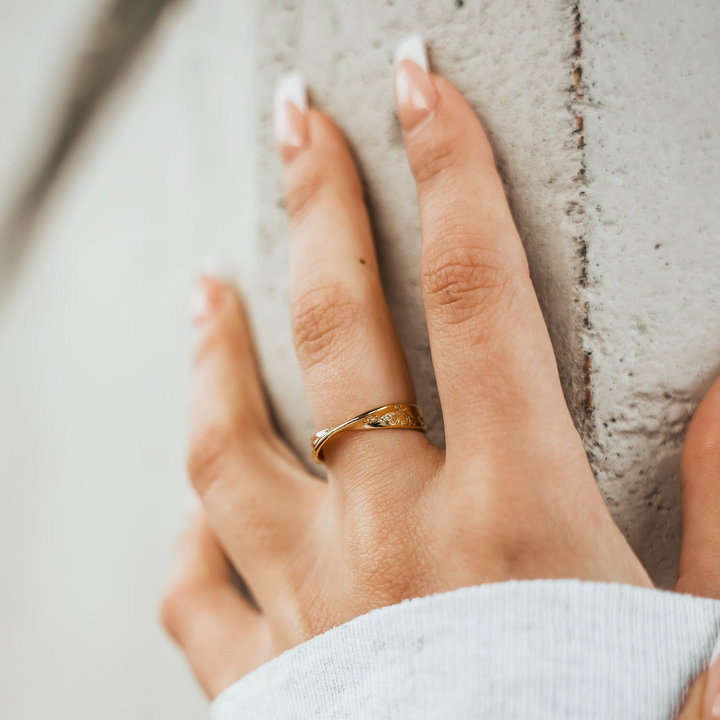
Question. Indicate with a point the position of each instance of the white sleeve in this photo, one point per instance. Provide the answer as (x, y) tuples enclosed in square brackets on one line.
[(535, 650)]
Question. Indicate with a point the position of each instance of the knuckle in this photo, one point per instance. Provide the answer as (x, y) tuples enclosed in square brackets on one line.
[(213, 342), (174, 608), (322, 323), (436, 160), (250, 511), (209, 456), (464, 282), (304, 194)]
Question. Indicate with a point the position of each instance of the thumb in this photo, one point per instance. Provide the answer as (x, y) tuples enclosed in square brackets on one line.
[(693, 709), (699, 570), (703, 702)]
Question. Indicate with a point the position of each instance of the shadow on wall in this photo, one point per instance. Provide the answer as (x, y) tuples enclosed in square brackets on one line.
[(118, 37)]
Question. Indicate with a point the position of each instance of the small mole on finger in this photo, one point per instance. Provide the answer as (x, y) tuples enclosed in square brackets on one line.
[(362, 261)]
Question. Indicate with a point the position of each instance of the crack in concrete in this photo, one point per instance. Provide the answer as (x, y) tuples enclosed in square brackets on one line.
[(576, 212)]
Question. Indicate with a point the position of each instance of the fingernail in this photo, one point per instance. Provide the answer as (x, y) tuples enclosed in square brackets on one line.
[(290, 115), (415, 93), (214, 266), (207, 298), (711, 706), (193, 504)]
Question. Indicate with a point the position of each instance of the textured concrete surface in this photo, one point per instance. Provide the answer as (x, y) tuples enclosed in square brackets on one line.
[(652, 100), (602, 115)]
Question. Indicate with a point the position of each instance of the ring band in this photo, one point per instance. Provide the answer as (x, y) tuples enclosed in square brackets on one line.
[(400, 416)]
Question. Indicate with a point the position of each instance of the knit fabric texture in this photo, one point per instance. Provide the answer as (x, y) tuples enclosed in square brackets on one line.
[(531, 650)]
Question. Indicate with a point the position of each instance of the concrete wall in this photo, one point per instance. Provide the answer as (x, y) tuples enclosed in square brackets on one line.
[(603, 119), (652, 152)]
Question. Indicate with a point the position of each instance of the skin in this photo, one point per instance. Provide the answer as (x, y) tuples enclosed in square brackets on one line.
[(511, 497)]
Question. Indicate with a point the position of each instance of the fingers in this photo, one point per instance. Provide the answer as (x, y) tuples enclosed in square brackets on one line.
[(346, 343), (492, 355), (258, 499), (222, 636), (699, 571), (693, 708)]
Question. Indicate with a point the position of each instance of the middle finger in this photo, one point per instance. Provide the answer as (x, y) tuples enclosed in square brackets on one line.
[(494, 363)]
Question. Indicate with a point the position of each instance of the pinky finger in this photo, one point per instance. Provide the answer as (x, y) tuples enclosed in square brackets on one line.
[(222, 636)]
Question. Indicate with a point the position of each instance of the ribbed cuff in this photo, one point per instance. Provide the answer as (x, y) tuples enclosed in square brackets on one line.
[(536, 650)]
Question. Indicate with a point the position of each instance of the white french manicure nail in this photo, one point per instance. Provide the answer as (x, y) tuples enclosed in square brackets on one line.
[(217, 267), (290, 125), (199, 304), (193, 503), (291, 88), (412, 48), (415, 93), (210, 288)]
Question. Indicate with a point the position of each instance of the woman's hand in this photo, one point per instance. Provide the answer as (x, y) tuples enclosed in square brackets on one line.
[(512, 496)]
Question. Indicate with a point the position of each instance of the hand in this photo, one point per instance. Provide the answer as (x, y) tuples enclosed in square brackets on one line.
[(512, 496)]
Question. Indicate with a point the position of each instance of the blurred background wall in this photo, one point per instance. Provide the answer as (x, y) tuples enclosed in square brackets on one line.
[(135, 147), (95, 339)]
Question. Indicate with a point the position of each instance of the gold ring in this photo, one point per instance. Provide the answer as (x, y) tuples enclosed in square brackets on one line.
[(400, 416)]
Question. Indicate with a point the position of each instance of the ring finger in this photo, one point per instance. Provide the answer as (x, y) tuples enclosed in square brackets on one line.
[(347, 346)]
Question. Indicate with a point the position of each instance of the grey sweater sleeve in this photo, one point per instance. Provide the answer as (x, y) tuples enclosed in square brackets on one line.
[(535, 650)]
